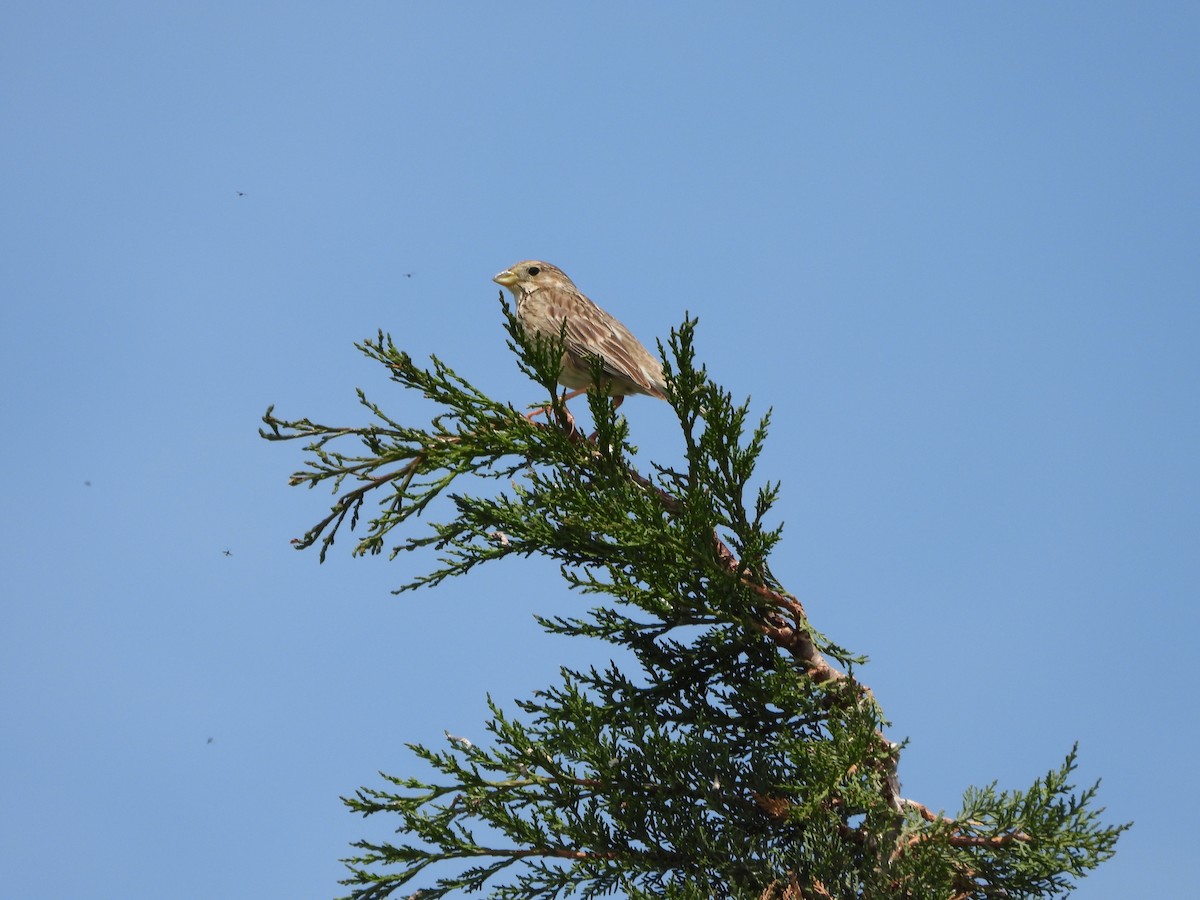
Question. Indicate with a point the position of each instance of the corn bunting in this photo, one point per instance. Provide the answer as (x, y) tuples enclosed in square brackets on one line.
[(546, 298)]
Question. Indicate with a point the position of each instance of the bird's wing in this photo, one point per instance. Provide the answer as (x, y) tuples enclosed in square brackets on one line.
[(591, 331)]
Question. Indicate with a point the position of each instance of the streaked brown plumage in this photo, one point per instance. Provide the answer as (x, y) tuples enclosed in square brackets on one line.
[(546, 298)]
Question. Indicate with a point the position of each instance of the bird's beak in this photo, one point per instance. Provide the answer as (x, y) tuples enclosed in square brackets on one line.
[(507, 278)]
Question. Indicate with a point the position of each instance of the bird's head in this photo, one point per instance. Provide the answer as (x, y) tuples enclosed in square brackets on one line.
[(531, 274)]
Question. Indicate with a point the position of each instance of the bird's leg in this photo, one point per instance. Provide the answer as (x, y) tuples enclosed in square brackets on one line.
[(545, 410), (569, 420)]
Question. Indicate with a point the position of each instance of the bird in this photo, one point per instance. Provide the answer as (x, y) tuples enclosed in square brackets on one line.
[(546, 298)]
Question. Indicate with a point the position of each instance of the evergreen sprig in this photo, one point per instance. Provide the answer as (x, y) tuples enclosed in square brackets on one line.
[(734, 755)]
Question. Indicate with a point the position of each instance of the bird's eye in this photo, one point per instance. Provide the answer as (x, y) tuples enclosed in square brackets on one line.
[(533, 270)]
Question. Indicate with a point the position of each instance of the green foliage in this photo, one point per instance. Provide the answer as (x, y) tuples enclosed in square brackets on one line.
[(735, 759)]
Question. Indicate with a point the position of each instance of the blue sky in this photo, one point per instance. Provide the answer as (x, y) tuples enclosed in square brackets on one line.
[(954, 246)]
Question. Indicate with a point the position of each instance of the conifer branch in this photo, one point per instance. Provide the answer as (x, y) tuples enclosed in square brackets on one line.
[(742, 758)]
